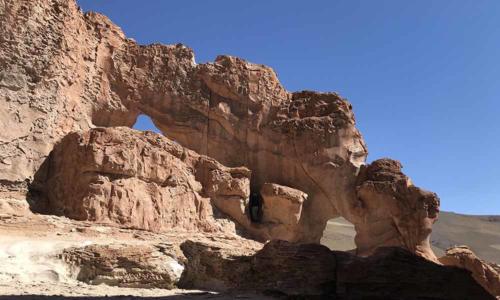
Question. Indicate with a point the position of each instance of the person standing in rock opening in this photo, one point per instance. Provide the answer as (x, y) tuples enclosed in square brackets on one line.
[(255, 207)]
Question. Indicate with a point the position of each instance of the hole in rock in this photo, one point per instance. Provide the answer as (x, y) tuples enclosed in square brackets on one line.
[(144, 123), (255, 207), (339, 235)]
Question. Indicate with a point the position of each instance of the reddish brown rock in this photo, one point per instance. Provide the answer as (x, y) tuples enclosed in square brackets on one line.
[(392, 211), (65, 71), (140, 180), (144, 180), (485, 274), (133, 266), (281, 210), (311, 270), (68, 71)]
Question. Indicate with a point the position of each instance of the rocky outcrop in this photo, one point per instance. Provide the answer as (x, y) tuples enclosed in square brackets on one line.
[(133, 266), (281, 210), (282, 268), (239, 154), (138, 180), (65, 71), (392, 211), (79, 70), (485, 274), (279, 267), (146, 181)]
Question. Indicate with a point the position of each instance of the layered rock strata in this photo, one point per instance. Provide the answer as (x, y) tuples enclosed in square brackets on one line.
[(139, 180), (240, 155), (143, 266)]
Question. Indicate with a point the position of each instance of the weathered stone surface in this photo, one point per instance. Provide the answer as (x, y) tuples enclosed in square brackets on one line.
[(139, 180), (64, 73), (279, 267), (395, 273), (314, 271), (144, 180), (133, 266), (281, 210), (78, 71), (392, 211), (67, 71), (485, 274), (281, 204)]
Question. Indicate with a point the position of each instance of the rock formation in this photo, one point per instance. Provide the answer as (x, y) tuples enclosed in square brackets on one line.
[(393, 210), (144, 180), (314, 271), (231, 110), (139, 180), (65, 71), (142, 266), (239, 153), (487, 275)]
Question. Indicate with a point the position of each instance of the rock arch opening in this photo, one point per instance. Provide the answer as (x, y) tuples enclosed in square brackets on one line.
[(339, 235)]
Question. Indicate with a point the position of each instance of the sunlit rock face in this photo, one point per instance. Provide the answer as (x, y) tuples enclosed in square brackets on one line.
[(64, 71), (392, 211), (138, 180)]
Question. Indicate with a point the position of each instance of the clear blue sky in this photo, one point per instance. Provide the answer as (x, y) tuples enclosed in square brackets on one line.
[(423, 76)]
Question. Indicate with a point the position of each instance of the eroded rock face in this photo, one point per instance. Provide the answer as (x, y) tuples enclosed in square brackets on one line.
[(314, 271), (392, 211), (485, 274), (63, 70), (281, 210), (146, 181), (133, 266), (52, 65), (140, 180), (279, 267), (64, 73)]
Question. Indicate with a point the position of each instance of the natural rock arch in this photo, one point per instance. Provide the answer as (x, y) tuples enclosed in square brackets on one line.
[(85, 73)]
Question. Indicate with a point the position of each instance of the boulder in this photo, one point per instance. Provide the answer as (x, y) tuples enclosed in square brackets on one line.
[(281, 210), (132, 266), (139, 180), (313, 271), (392, 212), (487, 275)]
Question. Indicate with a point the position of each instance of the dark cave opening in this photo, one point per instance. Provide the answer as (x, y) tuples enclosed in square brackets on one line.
[(255, 207)]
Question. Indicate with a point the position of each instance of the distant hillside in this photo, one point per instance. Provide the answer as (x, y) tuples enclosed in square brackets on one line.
[(481, 233)]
